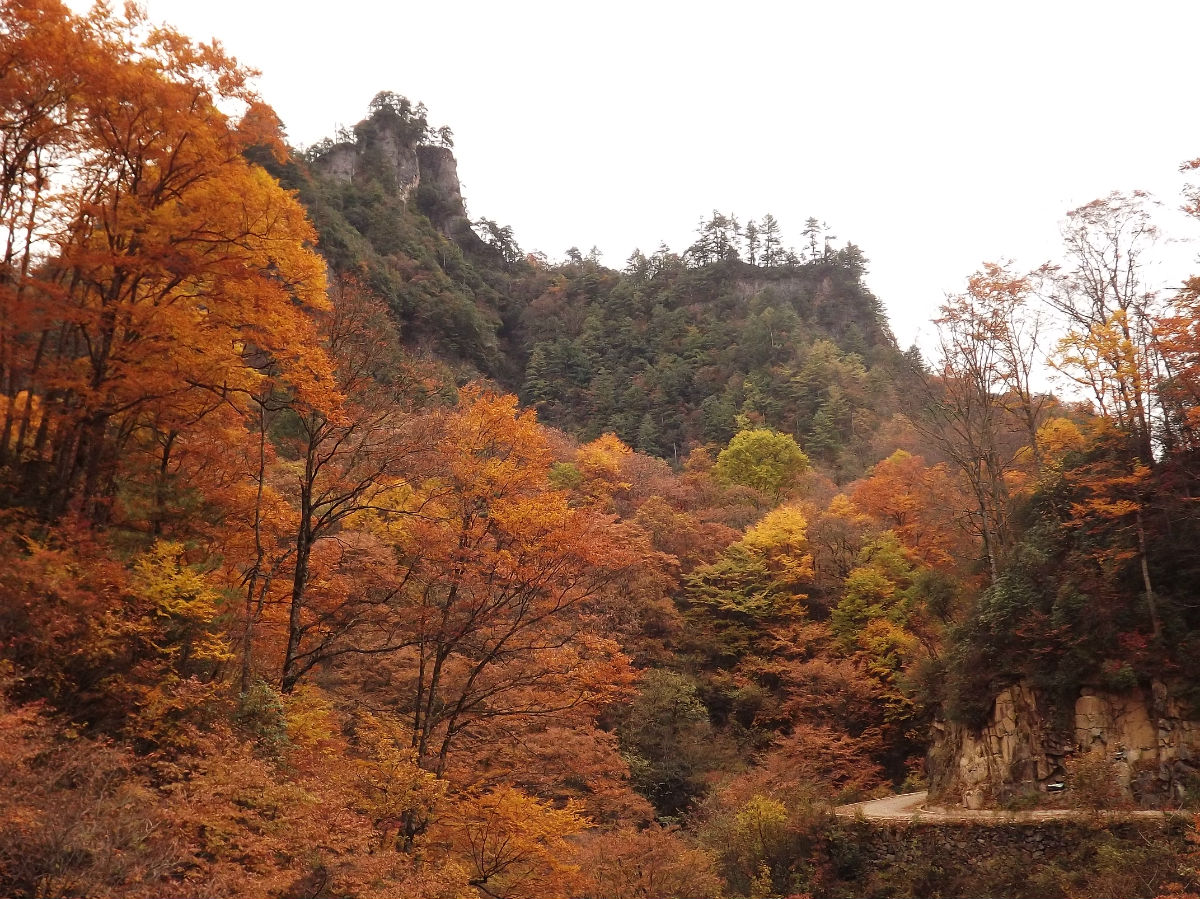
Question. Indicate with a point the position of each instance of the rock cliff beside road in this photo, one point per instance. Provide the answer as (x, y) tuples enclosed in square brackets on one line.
[(1151, 739)]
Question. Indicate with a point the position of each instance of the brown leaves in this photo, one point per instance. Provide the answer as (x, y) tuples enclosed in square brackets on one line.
[(633, 864), (918, 503), (76, 820), (517, 845)]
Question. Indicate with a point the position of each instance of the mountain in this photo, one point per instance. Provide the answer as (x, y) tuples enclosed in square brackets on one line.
[(348, 549), (666, 353)]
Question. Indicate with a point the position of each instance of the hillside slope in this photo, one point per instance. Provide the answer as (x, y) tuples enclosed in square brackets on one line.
[(666, 353)]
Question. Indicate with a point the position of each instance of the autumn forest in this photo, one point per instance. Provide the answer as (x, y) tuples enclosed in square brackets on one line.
[(349, 549)]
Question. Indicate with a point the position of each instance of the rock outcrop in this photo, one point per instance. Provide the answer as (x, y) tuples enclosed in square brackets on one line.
[(408, 168), (386, 156), (1024, 748), (445, 207), (338, 162)]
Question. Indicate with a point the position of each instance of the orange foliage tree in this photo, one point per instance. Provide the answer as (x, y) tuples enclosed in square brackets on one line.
[(920, 504), (499, 581), (1109, 348), (160, 265), (632, 864), (516, 845), (988, 347), (349, 460)]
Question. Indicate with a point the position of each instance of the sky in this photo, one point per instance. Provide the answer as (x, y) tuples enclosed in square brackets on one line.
[(935, 136)]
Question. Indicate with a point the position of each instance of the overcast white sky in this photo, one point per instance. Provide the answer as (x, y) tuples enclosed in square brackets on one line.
[(933, 135)]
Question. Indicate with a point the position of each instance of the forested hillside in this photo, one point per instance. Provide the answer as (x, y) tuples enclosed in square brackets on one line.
[(347, 549), (665, 353)]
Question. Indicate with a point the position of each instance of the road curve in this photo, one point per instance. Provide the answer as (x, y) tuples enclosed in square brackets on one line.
[(903, 807), (913, 807)]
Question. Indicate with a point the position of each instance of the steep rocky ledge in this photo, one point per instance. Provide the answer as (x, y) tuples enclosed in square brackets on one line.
[(1153, 743), (443, 200), (413, 171), (386, 154)]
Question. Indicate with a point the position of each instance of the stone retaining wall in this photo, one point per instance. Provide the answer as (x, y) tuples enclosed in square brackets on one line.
[(945, 855)]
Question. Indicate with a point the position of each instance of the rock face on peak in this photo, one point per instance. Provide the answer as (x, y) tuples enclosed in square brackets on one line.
[(382, 156), (338, 162), (1152, 742), (388, 151), (442, 198)]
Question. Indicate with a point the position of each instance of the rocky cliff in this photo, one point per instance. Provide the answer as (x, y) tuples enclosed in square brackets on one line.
[(441, 196), (1152, 742), (390, 154), (385, 156)]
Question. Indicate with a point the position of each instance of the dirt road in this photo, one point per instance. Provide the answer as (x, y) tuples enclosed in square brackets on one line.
[(912, 807), (904, 807)]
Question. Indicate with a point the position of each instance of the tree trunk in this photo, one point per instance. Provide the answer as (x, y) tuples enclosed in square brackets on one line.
[(1151, 600)]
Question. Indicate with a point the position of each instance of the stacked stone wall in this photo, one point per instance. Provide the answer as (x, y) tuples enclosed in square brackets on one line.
[(1015, 859)]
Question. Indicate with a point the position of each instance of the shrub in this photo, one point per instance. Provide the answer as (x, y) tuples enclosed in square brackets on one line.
[(1094, 783)]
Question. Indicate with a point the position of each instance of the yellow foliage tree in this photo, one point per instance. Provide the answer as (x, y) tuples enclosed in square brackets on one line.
[(185, 604), (780, 539), (517, 845)]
